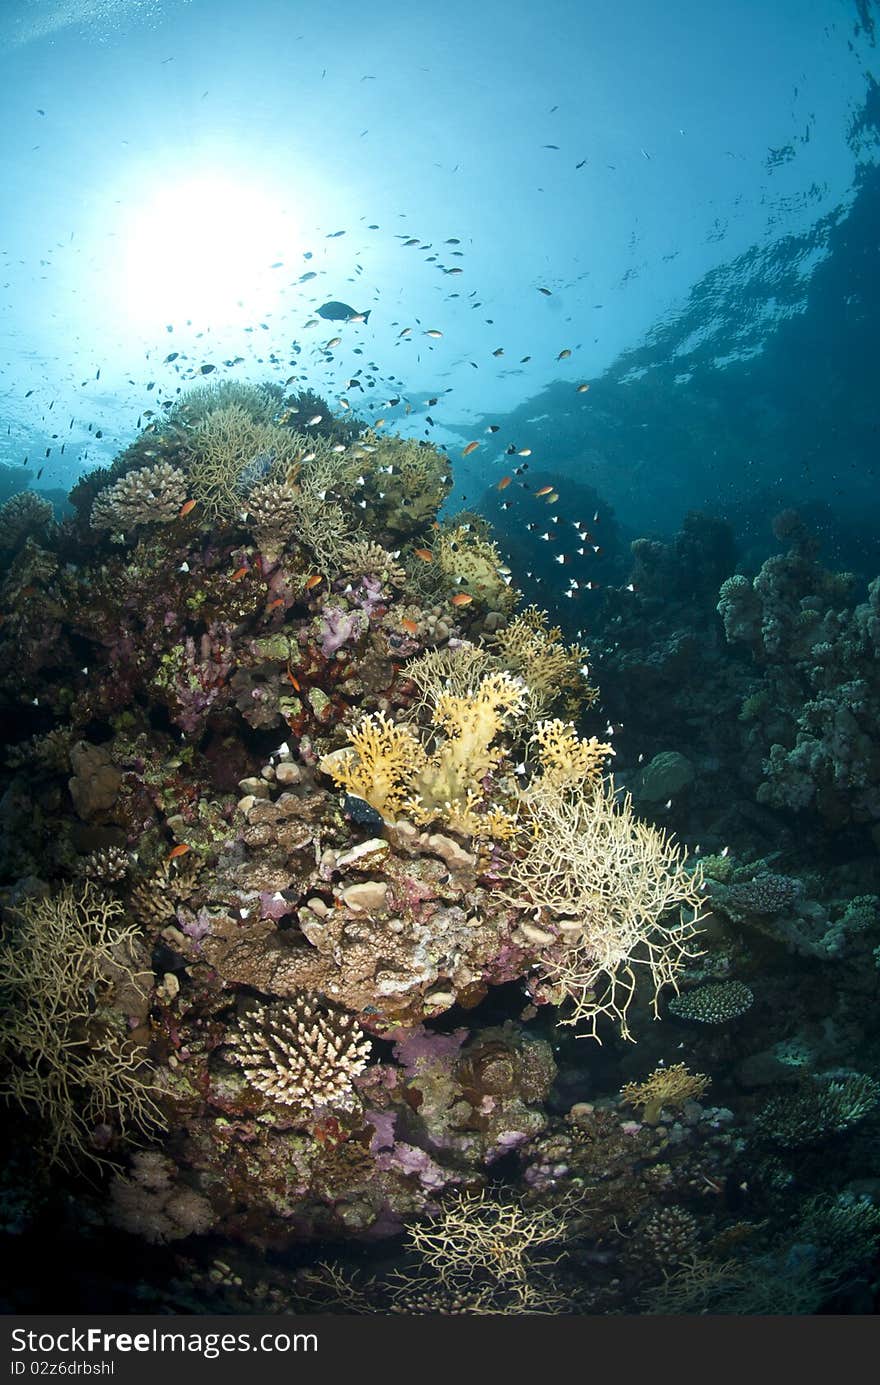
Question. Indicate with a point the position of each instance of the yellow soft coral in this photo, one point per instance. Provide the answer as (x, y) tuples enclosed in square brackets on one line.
[(468, 752), (671, 1087), (379, 765), (530, 646), (567, 761)]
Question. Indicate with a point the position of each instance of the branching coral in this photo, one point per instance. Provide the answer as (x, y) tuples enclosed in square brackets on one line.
[(301, 1055), (70, 976), (672, 1087), (554, 671), (149, 495), (477, 1235), (617, 890), (228, 452)]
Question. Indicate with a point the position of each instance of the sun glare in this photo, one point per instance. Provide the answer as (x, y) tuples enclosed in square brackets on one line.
[(203, 248)]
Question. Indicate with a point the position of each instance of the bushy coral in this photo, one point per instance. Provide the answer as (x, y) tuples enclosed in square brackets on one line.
[(813, 718), (72, 974), (614, 896), (819, 1108), (22, 516)]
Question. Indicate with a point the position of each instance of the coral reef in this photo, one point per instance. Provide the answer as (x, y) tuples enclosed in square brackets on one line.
[(313, 876)]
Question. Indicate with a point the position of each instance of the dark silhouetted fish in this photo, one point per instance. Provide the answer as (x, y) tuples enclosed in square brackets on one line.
[(341, 312)]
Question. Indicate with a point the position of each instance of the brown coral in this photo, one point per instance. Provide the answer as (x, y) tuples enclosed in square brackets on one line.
[(149, 495)]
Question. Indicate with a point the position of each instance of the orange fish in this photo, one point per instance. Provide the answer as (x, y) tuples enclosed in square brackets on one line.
[(293, 681), (273, 605), (410, 625), (314, 581), (462, 599), (471, 447), (504, 482), (425, 554), (545, 490), (186, 507), (176, 851), (238, 574)]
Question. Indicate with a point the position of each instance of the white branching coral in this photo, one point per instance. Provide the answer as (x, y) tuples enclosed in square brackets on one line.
[(617, 892), (301, 1054), (477, 1235), (148, 495)]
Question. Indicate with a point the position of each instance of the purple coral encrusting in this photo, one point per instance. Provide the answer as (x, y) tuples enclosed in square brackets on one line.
[(340, 627)]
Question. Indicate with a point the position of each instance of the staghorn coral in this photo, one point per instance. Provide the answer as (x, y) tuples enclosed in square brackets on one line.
[(71, 973), (301, 1055), (672, 1087), (148, 495), (229, 452), (476, 1235)]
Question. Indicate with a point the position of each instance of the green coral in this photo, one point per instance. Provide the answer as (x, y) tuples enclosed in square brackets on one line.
[(819, 1108)]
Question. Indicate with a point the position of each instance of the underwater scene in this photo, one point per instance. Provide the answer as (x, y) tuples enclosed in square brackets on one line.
[(440, 658)]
